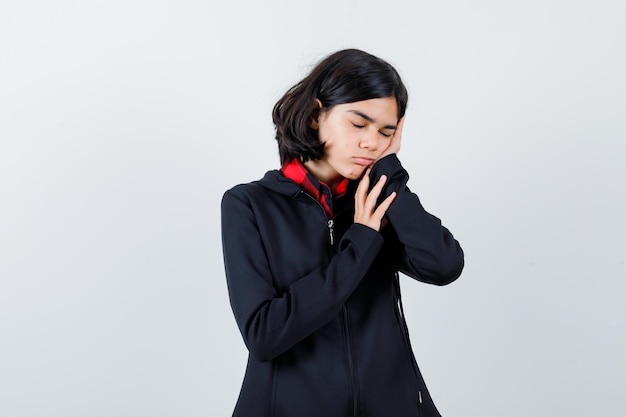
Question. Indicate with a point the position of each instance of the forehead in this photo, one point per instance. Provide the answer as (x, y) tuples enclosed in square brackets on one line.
[(380, 110)]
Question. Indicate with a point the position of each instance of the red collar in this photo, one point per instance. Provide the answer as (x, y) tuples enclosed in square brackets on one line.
[(295, 171)]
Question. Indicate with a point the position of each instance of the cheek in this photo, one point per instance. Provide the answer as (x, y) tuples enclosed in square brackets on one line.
[(384, 144), (340, 140)]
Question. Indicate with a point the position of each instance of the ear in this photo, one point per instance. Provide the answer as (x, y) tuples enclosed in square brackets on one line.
[(315, 114)]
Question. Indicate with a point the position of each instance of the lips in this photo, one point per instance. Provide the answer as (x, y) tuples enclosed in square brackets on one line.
[(359, 160)]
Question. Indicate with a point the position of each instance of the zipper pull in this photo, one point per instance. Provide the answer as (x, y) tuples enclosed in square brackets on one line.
[(419, 404), (331, 231)]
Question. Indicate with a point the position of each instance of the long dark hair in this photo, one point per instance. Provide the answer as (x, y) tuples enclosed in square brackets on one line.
[(343, 77)]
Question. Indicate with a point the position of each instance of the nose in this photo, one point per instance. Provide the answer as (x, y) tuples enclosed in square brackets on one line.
[(369, 140)]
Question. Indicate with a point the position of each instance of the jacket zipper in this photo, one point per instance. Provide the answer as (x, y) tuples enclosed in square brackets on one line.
[(352, 374), (329, 222), (331, 231), (419, 404)]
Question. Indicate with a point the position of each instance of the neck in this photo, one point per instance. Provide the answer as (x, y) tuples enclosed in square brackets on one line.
[(324, 173)]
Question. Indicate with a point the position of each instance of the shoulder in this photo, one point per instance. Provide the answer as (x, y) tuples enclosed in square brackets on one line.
[(242, 195), (243, 191), (271, 185)]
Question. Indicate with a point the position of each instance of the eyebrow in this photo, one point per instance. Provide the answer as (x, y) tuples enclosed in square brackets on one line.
[(369, 119)]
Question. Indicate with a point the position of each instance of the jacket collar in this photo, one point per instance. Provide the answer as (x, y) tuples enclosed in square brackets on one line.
[(275, 180)]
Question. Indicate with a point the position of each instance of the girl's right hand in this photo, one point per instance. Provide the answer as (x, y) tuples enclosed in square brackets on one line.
[(365, 210)]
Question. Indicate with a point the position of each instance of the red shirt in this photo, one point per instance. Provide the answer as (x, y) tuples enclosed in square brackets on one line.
[(295, 170)]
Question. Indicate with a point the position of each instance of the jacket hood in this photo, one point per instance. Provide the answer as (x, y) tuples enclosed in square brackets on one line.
[(274, 180)]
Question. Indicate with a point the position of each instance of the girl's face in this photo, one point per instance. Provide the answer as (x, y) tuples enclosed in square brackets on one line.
[(354, 136)]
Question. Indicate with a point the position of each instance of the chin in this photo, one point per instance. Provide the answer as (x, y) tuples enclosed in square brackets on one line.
[(355, 174)]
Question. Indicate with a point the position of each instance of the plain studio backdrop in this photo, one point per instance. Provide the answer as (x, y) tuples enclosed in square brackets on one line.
[(122, 124)]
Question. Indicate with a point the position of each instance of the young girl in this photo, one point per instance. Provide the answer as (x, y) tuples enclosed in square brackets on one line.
[(312, 253)]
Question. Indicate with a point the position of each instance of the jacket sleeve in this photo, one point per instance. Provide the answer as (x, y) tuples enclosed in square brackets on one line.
[(271, 322), (429, 251)]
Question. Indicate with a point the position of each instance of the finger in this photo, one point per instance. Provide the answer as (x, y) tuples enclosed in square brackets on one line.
[(372, 197), (400, 126), (384, 206), (364, 184), (397, 137)]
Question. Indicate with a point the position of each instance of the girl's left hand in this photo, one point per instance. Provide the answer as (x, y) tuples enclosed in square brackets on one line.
[(394, 145)]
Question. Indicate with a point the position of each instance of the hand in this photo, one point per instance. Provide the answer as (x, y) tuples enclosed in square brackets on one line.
[(394, 145), (365, 210)]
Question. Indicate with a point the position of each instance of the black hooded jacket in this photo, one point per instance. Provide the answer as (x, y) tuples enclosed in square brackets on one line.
[(317, 300)]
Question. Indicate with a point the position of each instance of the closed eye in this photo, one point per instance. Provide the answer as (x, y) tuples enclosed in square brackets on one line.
[(387, 135), (358, 126)]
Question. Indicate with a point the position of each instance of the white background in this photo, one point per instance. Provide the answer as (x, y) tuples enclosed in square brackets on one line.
[(122, 124)]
